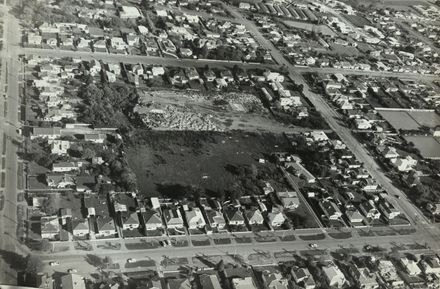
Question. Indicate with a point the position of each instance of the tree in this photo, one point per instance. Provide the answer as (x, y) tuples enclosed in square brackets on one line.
[(33, 264)]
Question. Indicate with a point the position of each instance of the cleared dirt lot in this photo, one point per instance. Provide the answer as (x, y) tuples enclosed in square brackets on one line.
[(168, 161)]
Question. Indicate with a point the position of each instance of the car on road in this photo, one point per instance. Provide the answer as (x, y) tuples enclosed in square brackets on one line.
[(54, 263), (397, 196), (131, 260), (313, 245), (72, 271)]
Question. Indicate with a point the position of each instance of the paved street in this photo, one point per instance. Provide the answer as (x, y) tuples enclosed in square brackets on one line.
[(145, 59), (10, 84), (76, 258)]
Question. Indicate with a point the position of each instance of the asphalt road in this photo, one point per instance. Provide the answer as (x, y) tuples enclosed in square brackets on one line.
[(155, 60), (11, 69), (77, 259)]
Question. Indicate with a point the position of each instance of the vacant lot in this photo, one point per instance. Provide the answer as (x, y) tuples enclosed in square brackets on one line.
[(324, 29), (425, 118), (399, 119), (166, 163), (429, 146), (411, 120)]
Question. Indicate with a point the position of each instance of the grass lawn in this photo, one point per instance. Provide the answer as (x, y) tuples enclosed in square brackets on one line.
[(222, 241), (319, 236), (167, 162), (242, 240), (340, 235), (139, 246), (140, 263), (288, 238), (205, 242)]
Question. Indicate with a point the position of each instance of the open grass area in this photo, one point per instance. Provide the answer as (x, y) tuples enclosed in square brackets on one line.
[(314, 237), (166, 163)]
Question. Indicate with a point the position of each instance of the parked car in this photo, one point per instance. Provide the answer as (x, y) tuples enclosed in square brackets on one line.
[(54, 263), (131, 260)]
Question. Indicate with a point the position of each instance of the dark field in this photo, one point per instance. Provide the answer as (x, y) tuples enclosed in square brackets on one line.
[(167, 163)]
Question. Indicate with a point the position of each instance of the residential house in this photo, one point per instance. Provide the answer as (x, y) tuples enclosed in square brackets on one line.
[(60, 181), (274, 280), (61, 167), (302, 277), (157, 70), (210, 281), (46, 132), (411, 267), (254, 216), (354, 216), (369, 209), (330, 209), (364, 278), (234, 216), (209, 75), (289, 199), (59, 147), (404, 164), (334, 276), (276, 218), (50, 227), (126, 211), (431, 265), (104, 227), (388, 209), (151, 220), (34, 39), (194, 218), (80, 227), (243, 283), (73, 281), (215, 219), (389, 274), (129, 12), (173, 218), (179, 283)]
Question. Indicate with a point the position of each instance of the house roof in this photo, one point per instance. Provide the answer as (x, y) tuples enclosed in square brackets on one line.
[(254, 215), (179, 284), (151, 217), (209, 281), (80, 224), (131, 219), (105, 223), (50, 225), (73, 281), (234, 214), (173, 216)]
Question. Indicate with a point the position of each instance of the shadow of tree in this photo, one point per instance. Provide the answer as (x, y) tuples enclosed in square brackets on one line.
[(15, 261)]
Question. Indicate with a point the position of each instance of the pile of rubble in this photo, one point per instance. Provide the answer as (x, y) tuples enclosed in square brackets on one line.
[(172, 118)]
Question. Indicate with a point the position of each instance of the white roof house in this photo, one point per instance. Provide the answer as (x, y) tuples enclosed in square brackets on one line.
[(334, 276), (410, 266), (129, 12), (73, 281)]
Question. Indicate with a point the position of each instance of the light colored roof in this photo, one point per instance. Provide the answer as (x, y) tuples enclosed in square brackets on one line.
[(73, 281)]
